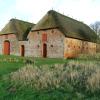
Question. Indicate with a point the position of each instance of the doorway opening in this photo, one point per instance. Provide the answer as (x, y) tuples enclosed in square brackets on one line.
[(44, 50), (6, 50), (22, 50)]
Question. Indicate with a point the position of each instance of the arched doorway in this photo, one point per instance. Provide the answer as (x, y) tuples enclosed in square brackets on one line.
[(6, 50), (44, 50), (22, 50)]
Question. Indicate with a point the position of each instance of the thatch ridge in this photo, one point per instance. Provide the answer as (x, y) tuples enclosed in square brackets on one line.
[(69, 26), (19, 27)]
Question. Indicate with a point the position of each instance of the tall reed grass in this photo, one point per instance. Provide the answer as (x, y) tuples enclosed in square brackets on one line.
[(83, 75)]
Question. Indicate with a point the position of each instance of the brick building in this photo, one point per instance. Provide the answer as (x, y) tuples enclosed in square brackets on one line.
[(54, 36), (13, 37), (58, 36)]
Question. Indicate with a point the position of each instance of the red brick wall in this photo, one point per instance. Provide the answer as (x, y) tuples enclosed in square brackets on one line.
[(74, 47), (14, 50), (54, 40)]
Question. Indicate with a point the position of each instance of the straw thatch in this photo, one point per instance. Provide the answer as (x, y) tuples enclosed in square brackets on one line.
[(68, 26), (18, 27)]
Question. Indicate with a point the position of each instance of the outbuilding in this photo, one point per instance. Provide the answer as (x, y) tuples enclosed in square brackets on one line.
[(59, 36)]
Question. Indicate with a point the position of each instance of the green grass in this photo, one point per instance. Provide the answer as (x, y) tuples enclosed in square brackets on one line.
[(6, 67), (9, 64), (48, 61), (53, 79), (12, 63)]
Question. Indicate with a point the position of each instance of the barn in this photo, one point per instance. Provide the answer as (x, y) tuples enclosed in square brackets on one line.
[(59, 36), (13, 37)]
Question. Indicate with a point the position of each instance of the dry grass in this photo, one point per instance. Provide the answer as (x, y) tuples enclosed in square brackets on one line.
[(81, 75)]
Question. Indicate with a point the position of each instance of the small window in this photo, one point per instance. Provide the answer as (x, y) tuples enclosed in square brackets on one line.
[(52, 31), (51, 45), (37, 32), (38, 46)]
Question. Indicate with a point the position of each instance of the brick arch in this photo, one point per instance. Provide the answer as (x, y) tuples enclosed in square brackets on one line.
[(22, 50), (44, 50), (6, 49)]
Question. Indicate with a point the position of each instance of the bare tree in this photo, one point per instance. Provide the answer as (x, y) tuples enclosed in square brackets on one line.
[(96, 28)]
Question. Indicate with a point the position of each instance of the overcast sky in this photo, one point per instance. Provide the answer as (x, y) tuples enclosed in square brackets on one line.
[(87, 11)]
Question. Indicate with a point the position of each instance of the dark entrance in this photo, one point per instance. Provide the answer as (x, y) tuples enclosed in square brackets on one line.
[(6, 50), (22, 50), (44, 50)]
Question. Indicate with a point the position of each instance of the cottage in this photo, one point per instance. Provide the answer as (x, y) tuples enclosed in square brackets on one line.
[(58, 36), (13, 37)]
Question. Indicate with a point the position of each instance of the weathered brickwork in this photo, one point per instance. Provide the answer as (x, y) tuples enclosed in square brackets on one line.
[(98, 48), (48, 38), (74, 47), (55, 43), (26, 51), (14, 50), (58, 46)]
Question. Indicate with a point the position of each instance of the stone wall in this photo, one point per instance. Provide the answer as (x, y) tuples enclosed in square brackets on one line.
[(74, 47), (26, 48), (58, 46), (54, 42), (98, 48), (14, 50)]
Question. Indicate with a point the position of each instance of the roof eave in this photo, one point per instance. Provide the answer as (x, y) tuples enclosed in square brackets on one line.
[(43, 29)]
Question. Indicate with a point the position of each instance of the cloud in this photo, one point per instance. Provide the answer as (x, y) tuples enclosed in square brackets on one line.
[(83, 10), (29, 10), (33, 10)]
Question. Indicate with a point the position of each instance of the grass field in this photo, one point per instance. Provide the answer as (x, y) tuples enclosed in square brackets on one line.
[(50, 79), (13, 63)]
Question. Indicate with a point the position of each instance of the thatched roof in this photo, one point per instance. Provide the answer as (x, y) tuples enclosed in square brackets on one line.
[(68, 26), (18, 27)]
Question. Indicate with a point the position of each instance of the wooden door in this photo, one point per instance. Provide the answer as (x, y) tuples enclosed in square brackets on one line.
[(44, 50), (22, 50), (6, 48)]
